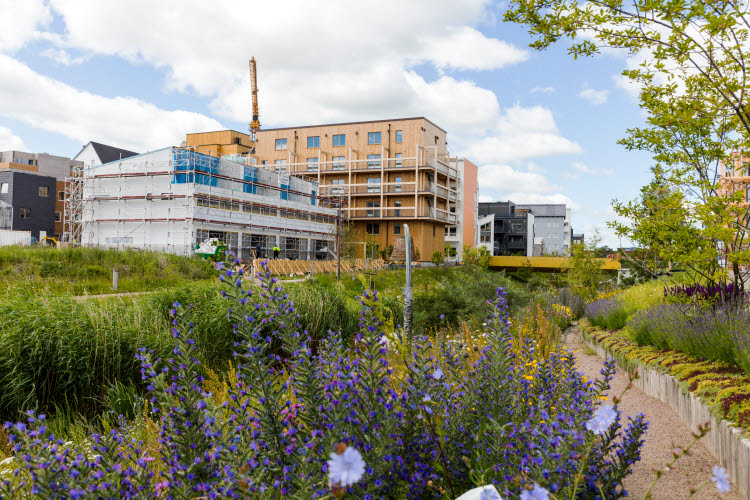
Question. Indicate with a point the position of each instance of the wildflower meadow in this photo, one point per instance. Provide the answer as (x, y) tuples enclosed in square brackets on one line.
[(374, 416)]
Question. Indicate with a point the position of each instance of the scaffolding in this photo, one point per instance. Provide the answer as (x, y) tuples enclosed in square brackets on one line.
[(73, 205)]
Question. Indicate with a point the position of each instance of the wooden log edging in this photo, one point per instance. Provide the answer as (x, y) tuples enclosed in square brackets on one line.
[(729, 444)]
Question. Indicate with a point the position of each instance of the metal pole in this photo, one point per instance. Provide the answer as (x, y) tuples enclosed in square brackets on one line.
[(407, 287), (115, 276), (338, 244)]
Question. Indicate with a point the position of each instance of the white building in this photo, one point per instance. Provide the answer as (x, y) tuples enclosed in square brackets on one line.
[(174, 198), (96, 153)]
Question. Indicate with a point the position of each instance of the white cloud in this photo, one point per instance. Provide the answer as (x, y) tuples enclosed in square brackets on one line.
[(63, 57), (126, 122), (467, 48), (594, 96), (521, 133), (529, 198), (543, 90), (590, 171), (10, 141), (20, 20), (504, 178)]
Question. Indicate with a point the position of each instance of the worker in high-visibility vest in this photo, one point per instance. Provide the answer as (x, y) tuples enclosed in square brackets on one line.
[(276, 251)]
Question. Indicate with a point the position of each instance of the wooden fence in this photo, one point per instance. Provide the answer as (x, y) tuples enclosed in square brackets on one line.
[(305, 267)]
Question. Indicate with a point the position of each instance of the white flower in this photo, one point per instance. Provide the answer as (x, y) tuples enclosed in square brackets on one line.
[(721, 478), (490, 494), (438, 374), (603, 418), (538, 493), (346, 469), (487, 492)]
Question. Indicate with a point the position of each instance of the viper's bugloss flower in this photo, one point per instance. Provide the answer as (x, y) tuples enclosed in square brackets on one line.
[(536, 493)]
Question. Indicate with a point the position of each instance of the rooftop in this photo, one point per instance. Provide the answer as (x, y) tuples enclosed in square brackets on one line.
[(354, 123)]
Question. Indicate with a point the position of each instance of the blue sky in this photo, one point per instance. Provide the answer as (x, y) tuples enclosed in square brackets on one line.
[(140, 74)]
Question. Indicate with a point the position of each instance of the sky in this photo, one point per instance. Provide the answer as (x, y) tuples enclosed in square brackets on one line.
[(139, 74)]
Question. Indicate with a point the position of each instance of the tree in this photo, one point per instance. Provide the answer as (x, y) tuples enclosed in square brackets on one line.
[(584, 271), (694, 88)]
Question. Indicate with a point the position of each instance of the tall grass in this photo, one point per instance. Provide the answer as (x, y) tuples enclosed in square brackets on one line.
[(81, 271), (610, 313)]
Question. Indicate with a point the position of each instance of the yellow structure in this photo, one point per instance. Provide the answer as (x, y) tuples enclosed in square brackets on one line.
[(545, 263)]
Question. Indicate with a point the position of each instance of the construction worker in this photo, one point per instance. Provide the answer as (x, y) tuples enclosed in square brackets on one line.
[(257, 251), (276, 251)]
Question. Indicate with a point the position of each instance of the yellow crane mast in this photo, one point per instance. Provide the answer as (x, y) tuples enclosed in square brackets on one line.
[(255, 123)]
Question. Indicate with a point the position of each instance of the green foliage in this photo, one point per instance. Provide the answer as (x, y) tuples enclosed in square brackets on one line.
[(449, 250), (437, 258), (81, 271), (478, 256), (584, 272), (694, 90)]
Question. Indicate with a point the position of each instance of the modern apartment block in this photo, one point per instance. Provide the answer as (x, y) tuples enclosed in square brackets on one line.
[(463, 232), (552, 225), (175, 198), (505, 230), (222, 143), (37, 200), (383, 173)]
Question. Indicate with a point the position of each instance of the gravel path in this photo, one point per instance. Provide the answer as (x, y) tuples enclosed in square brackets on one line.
[(665, 428)]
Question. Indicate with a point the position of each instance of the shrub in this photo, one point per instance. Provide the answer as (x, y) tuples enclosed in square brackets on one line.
[(407, 432), (437, 257), (607, 313), (570, 299)]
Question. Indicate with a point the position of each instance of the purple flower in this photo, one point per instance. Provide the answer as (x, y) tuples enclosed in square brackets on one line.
[(489, 493), (346, 469), (603, 418), (437, 374), (537, 493), (721, 479)]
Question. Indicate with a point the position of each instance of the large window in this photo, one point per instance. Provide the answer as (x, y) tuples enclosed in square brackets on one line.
[(339, 183), (339, 140), (4, 188), (371, 184), (373, 138), (279, 166), (25, 213), (397, 187), (396, 228), (339, 162), (398, 159), (373, 204), (43, 191), (373, 164), (373, 228), (312, 164), (313, 141), (280, 144), (399, 136)]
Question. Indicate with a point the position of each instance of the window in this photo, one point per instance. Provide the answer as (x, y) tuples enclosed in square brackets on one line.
[(399, 136), (61, 195), (397, 228), (373, 138), (397, 211), (43, 191), (433, 229), (58, 217), (372, 188), (338, 162), (279, 166), (338, 182), (397, 187), (4, 188), (398, 159), (25, 213), (312, 164), (280, 144), (373, 164), (373, 204), (313, 141), (339, 140), (373, 228)]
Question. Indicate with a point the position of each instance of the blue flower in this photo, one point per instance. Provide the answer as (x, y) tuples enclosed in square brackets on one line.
[(537, 493), (721, 479), (346, 469), (437, 374), (602, 419), (489, 493), (219, 266)]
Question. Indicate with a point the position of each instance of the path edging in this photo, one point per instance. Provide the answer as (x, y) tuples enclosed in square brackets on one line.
[(729, 444)]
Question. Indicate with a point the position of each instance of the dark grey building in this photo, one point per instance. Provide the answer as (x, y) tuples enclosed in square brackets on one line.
[(32, 198), (551, 226), (509, 232)]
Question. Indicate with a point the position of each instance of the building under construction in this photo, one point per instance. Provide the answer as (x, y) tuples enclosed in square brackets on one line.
[(173, 199)]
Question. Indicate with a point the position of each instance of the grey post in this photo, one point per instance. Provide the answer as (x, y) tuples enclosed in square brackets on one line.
[(407, 287), (115, 275)]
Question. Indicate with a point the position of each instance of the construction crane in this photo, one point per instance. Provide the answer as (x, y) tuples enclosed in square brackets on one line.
[(255, 124)]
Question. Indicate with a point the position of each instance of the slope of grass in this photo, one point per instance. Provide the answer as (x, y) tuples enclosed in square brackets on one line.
[(81, 271)]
